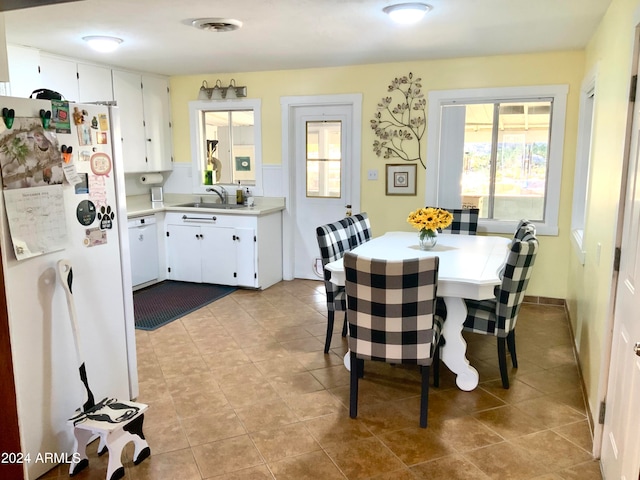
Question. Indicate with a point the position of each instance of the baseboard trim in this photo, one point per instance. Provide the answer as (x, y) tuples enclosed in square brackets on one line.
[(585, 395), (545, 300)]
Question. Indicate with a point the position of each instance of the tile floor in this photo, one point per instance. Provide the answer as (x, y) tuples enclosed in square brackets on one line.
[(241, 389)]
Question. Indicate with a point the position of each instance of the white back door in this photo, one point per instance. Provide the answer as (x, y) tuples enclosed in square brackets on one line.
[(323, 160), (621, 435)]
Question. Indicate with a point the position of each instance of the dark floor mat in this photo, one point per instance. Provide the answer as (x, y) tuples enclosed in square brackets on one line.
[(167, 301)]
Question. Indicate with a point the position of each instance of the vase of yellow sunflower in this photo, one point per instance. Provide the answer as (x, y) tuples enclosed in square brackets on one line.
[(429, 221)]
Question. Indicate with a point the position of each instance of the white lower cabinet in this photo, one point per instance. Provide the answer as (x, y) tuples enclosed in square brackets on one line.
[(223, 249)]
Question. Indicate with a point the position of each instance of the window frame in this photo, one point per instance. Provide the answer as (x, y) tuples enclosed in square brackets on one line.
[(322, 141), (558, 93), (197, 145), (586, 117)]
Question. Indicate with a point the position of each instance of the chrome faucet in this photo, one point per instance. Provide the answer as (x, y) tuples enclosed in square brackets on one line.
[(223, 198)]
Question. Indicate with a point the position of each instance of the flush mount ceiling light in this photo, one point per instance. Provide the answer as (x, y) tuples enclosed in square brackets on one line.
[(217, 24), (101, 43), (407, 13)]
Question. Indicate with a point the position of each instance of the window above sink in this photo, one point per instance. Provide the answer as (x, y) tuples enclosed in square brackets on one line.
[(226, 144)]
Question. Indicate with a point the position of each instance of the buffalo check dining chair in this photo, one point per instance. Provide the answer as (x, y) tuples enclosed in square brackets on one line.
[(524, 227), (498, 316), (334, 241), (465, 221), (360, 229), (391, 315)]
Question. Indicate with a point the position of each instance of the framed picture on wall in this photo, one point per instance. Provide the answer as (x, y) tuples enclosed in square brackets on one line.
[(401, 179)]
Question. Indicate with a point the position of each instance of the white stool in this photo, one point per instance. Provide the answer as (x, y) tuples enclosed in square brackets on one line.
[(117, 423)]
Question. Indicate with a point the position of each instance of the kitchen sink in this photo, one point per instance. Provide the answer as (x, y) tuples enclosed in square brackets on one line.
[(222, 206)]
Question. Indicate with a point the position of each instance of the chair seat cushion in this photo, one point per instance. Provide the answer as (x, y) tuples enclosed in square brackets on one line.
[(481, 317)]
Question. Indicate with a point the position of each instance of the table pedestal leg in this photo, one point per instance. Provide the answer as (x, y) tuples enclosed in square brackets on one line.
[(454, 351)]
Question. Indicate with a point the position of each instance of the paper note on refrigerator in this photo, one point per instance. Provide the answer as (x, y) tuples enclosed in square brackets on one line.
[(37, 221)]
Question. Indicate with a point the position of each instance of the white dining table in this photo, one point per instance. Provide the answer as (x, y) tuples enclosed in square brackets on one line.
[(469, 268)]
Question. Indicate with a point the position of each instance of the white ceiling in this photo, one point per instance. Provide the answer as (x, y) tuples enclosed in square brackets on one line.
[(291, 34)]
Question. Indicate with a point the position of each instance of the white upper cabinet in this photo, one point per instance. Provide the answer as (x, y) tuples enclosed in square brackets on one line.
[(157, 120), (60, 75), (24, 70), (143, 100), (94, 83), (30, 69), (127, 92), (144, 121)]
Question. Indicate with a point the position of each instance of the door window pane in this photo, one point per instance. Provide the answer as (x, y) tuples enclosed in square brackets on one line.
[(324, 159)]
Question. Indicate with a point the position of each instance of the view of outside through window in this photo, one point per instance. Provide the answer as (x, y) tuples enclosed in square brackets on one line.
[(229, 147), (324, 159), (506, 148)]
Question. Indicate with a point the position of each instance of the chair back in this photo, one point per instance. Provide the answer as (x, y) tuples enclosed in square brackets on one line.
[(391, 307), (524, 227), (360, 229), (516, 274), (333, 240), (465, 221)]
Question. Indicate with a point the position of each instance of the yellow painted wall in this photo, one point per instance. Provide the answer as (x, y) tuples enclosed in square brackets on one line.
[(389, 213), (610, 51)]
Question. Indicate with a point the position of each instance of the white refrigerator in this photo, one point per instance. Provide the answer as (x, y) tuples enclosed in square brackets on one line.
[(63, 198)]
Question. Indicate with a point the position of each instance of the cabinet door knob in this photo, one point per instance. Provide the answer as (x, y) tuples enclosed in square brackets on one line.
[(148, 139), (141, 237)]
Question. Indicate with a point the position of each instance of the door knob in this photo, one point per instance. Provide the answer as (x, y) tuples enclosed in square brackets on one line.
[(636, 348)]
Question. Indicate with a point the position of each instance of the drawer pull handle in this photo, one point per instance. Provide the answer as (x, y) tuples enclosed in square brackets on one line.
[(199, 219)]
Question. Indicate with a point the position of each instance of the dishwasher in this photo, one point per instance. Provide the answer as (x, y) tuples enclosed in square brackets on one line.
[(143, 247)]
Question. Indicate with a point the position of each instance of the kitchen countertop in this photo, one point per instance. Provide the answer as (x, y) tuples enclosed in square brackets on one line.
[(138, 205)]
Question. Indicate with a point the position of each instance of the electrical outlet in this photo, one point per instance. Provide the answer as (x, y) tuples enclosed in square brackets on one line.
[(372, 174)]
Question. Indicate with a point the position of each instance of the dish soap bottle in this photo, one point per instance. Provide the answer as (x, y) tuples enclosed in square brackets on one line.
[(239, 195)]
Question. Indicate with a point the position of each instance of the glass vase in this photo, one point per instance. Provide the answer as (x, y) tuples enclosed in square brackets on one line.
[(427, 239)]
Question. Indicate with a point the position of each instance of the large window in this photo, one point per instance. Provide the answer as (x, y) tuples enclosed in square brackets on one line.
[(504, 164), (499, 150)]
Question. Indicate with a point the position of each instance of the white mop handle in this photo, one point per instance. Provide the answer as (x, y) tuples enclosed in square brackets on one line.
[(66, 278), (64, 269)]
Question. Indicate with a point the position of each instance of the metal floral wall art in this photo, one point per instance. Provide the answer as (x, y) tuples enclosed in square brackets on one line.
[(399, 122)]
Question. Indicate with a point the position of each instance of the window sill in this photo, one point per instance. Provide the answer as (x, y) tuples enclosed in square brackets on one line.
[(495, 226)]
